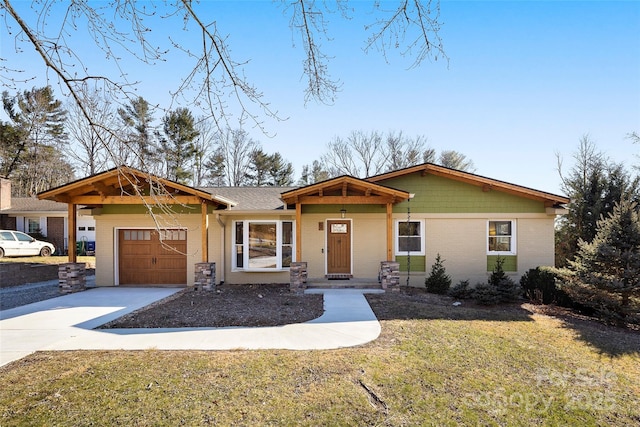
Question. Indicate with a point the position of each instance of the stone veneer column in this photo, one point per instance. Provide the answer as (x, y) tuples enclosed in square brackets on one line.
[(298, 277), (390, 275), (71, 277), (205, 276)]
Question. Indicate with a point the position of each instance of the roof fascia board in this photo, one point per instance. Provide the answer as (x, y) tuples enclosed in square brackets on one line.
[(73, 187), (335, 183)]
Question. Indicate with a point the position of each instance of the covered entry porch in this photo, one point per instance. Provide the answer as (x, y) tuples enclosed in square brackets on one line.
[(344, 229)]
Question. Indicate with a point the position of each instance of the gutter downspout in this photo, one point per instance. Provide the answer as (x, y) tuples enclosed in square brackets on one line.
[(220, 271)]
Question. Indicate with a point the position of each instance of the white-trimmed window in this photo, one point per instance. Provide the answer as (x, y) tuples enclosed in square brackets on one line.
[(33, 225), (410, 237), (262, 245), (501, 237)]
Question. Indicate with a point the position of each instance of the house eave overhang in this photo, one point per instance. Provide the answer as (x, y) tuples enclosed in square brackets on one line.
[(33, 213), (345, 190), (125, 185), (256, 212)]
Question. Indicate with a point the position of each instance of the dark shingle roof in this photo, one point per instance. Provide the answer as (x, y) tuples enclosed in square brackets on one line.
[(31, 204), (251, 198), (247, 198)]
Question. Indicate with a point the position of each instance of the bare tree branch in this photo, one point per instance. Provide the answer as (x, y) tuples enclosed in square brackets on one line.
[(309, 22), (413, 27)]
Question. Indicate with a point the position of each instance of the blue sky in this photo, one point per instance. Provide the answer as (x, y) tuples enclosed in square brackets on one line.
[(525, 80)]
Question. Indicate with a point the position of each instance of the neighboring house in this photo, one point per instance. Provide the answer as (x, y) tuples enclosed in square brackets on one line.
[(342, 228), (49, 218)]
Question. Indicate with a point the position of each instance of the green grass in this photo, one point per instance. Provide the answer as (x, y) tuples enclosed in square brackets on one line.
[(432, 365)]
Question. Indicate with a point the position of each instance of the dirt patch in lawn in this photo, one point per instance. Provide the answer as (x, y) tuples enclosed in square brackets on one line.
[(229, 305)]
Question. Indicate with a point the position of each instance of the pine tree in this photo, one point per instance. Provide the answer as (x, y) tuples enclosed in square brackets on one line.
[(36, 137), (138, 119), (508, 290), (605, 274), (215, 170), (500, 288), (178, 147), (280, 171), (438, 281)]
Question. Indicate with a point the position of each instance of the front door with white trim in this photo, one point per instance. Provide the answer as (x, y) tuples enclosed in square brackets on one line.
[(338, 247)]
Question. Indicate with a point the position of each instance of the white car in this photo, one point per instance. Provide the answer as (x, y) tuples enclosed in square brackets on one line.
[(17, 243)]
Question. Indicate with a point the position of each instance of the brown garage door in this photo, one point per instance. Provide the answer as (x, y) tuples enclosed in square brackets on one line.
[(151, 257)]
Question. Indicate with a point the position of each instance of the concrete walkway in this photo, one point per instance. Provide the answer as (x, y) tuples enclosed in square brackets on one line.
[(68, 322)]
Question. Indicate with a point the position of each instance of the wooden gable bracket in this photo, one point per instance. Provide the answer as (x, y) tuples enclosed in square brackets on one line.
[(63, 198), (367, 192), (321, 192), (344, 189), (486, 188), (102, 189), (424, 171)]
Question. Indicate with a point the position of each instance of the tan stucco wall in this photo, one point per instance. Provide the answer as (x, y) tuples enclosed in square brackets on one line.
[(368, 249), (461, 242), (369, 243), (460, 239), (106, 261), (536, 243)]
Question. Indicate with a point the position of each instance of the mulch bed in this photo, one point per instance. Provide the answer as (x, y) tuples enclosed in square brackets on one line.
[(275, 305), (229, 305)]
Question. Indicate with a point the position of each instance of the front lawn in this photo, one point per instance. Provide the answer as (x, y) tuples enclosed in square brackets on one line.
[(434, 364)]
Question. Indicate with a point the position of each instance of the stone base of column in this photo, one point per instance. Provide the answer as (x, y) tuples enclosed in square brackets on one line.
[(298, 277), (205, 276), (72, 277), (390, 275)]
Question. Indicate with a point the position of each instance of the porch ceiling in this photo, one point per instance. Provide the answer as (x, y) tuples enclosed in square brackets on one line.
[(129, 186), (344, 190)]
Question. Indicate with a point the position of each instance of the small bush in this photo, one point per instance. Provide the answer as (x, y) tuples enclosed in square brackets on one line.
[(507, 289), (486, 294), (539, 285), (462, 290), (500, 288), (438, 281)]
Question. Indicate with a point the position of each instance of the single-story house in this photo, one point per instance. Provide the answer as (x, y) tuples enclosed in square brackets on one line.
[(151, 231), (49, 218)]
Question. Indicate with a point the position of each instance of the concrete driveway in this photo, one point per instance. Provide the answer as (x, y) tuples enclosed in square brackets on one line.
[(68, 322)]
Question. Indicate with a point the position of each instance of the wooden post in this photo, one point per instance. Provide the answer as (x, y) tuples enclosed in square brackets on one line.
[(298, 232), (72, 232), (204, 225), (389, 232)]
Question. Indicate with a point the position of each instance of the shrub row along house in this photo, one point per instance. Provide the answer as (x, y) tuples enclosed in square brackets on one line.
[(151, 231)]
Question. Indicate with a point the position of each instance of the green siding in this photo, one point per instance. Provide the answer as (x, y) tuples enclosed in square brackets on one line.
[(418, 262), (335, 209), (510, 262), (434, 194), (141, 209)]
